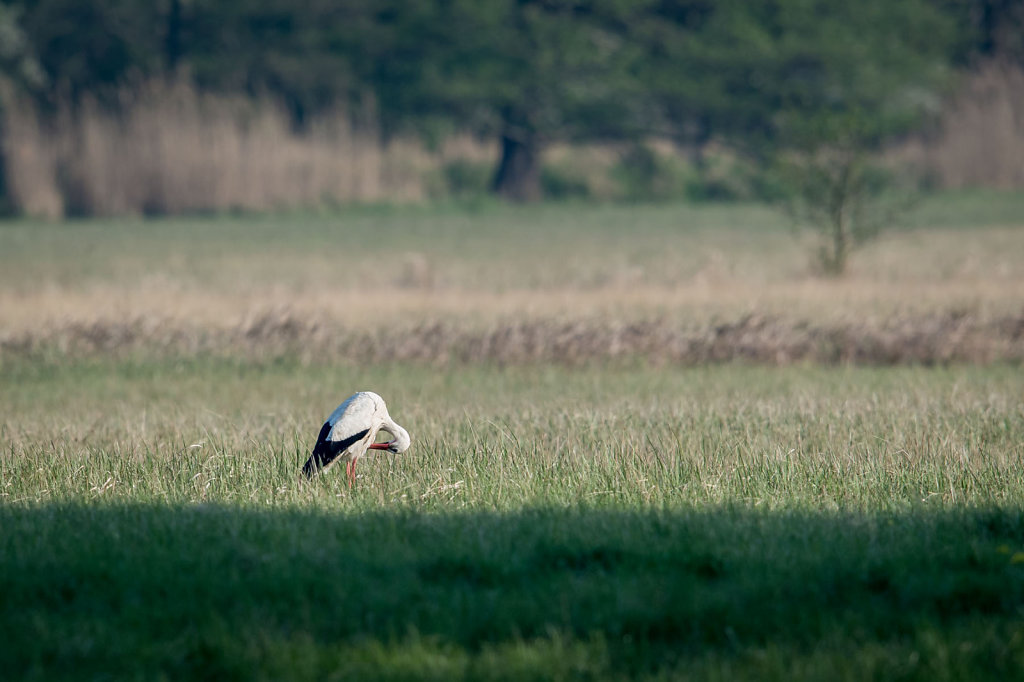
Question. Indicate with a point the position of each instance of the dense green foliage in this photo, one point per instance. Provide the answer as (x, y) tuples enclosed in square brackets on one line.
[(761, 76)]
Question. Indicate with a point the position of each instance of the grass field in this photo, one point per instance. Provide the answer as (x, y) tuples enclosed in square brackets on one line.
[(603, 515)]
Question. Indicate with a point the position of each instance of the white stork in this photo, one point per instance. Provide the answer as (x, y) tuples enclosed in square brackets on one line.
[(351, 430)]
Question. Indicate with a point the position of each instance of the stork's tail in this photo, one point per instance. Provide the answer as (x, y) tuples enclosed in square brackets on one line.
[(313, 465), (317, 461)]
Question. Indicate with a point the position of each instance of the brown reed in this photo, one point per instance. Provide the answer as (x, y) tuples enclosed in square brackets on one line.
[(937, 337)]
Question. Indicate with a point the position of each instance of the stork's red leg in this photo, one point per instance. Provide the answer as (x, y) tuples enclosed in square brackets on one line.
[(350, 472)]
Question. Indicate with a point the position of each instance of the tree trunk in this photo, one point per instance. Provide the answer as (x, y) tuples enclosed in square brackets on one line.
[(518, 176), (172, 40), (835, 262)]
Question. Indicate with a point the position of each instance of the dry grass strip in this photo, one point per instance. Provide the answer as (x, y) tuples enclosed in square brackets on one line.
[(938, 337)]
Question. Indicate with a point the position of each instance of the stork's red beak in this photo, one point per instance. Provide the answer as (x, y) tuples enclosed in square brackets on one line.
[(379, 446)]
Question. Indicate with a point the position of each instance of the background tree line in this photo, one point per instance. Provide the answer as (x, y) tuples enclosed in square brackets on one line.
[(527, 71), (805, 88)]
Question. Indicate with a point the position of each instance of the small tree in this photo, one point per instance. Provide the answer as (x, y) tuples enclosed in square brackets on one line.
[(846, 84), (837, 187)]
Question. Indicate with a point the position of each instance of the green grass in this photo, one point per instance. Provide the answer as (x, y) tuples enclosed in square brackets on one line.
[(219, 430), (220, 592), (494, 248), (602, 523), (360, 243)]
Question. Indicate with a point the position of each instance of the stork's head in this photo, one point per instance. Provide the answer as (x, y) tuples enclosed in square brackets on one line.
[(400, 441)]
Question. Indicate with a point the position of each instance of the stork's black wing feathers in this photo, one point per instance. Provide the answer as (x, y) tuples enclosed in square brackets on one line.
[(326, 451)]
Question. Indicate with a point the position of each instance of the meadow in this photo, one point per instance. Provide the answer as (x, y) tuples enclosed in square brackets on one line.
[(567, 511)]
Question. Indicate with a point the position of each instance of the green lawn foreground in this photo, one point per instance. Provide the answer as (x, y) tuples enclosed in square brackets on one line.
[(716, 523), (142, 591)]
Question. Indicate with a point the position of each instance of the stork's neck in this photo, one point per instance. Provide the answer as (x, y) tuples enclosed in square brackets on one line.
[(401, 440)]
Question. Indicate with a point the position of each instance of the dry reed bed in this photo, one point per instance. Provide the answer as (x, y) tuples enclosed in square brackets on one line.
[(924, 338), (175, 150), (979, 141)]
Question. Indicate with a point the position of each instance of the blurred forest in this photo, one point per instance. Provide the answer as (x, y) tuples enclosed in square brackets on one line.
[(112, 107)]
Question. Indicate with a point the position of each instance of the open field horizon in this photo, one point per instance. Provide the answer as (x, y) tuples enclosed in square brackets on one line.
[(647, 443)]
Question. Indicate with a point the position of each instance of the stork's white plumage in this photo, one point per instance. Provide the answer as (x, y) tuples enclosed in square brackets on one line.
[(351, 430)]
